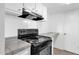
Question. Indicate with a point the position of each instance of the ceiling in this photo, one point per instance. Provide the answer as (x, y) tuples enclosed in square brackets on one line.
[(60, 7)]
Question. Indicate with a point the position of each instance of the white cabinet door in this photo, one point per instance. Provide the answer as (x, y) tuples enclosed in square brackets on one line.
[(29, 6), (24, 52), (15, 7), (39, 8), (44, 12), (35, 7)]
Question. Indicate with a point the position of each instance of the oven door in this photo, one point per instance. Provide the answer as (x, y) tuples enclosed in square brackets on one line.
[(47, 50)]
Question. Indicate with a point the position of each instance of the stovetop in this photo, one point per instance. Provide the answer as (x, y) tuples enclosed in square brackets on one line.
[(31, 36), (39, 39)]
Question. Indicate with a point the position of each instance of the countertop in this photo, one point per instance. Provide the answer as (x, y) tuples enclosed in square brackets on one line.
[(53, 35), (14, 45)]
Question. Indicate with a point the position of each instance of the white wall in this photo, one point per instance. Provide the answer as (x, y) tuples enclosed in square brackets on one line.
[(12, 23), (51, 23), (67, 22), (57, 25), (2, 40), (43, 27)]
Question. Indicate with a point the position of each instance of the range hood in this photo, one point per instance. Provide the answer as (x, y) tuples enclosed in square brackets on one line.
[(30, 15)]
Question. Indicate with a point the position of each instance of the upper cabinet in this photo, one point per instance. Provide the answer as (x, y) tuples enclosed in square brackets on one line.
[(29, 6), (42, 10), (35, 7), (14, 7), (38, 8)]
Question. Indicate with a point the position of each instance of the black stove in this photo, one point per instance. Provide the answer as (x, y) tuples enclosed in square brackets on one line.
[(38, 42)]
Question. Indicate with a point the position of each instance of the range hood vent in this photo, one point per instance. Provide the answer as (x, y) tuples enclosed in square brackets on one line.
[(30, 15)]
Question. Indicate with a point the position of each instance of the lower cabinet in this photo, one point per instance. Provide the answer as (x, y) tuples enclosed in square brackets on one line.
[(24, 52)]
